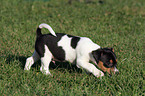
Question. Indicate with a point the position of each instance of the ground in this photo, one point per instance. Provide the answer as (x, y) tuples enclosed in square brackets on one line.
[(114, 23)]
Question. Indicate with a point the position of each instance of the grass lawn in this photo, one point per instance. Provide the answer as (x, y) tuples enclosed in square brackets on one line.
[(115, 23)]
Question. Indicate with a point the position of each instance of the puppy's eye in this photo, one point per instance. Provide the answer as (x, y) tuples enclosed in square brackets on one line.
[(106, 64)]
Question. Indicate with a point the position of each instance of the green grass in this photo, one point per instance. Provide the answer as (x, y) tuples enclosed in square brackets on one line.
[(116, 23)]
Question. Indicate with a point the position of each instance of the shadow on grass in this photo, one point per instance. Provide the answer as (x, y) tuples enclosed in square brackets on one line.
[(61, 66), (12, 58)]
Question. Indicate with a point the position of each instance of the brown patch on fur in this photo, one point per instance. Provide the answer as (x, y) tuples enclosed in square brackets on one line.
[(116, 60), (112, 49), (103, 68), (111, 61)]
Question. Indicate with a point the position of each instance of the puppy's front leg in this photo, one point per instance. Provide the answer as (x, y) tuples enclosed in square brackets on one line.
[(90, 67)]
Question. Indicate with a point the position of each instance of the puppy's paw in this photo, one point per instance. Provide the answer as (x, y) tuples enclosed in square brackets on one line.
[(100, 74), (26, 68)]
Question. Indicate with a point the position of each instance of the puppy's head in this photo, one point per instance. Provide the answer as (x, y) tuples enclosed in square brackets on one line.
[(106, 60)]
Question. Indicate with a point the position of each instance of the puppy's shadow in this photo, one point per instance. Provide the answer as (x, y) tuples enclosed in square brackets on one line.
[(13, 58), (58, 65)]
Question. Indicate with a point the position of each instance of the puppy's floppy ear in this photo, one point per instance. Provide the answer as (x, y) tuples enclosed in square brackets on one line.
[(110, 49), (97, 54)]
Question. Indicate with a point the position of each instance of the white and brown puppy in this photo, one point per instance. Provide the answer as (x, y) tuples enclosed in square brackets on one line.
[(74, 49)]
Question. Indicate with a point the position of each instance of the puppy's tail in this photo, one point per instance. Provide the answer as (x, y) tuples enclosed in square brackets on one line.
[(43, 25)]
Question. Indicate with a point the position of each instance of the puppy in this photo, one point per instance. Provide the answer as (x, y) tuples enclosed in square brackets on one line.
[(74, 49)]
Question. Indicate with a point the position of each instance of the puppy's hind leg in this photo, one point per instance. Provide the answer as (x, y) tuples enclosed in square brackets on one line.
[(30, 61), (45, 61)]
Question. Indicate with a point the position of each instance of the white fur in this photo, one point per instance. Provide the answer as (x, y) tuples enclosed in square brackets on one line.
[(43, 25), (45, 61), (70, 53)]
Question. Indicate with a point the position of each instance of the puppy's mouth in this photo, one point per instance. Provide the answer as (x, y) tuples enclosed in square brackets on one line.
[(110, 71)]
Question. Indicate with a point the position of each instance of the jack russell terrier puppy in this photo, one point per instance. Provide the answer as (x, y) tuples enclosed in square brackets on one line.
[(74, 49)]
